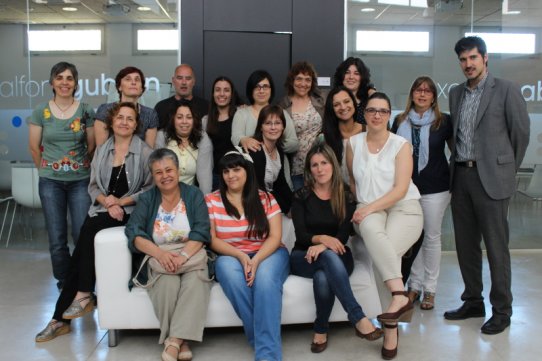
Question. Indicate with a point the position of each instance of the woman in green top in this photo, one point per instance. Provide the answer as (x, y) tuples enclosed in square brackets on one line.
[(61, 141)]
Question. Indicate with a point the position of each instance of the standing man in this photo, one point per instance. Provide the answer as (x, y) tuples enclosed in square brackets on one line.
[(491, 133), (183, 81)]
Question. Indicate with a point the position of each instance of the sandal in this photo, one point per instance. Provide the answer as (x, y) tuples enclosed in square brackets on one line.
[(52, 330), (175, 345), (413, 295), (388, 354), (76, 310), (428, 302), (185, 355)]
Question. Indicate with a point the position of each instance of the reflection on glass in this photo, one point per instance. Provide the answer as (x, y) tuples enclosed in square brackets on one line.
[(412, 41), (65, 40)]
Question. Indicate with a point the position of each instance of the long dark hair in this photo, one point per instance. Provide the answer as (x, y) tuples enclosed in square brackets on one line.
[(212, 117), (265, 113), (365, 84), (258, 224), (330, 125), (195, 134)]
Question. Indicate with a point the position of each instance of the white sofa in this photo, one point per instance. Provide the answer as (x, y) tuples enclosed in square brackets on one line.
[(119, 308)]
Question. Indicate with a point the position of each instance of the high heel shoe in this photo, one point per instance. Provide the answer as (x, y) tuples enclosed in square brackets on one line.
[(388, 354), (404, 314)]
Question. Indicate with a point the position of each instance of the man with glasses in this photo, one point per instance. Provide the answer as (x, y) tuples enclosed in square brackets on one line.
[(491, 134), (183, 81)]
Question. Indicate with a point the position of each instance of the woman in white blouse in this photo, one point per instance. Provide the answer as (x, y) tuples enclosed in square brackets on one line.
[(184, 136), (388, 216)]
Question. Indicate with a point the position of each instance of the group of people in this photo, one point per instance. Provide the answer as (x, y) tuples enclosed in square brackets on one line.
[(222, 175)]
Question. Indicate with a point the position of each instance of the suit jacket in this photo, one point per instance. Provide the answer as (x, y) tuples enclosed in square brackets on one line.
[(501, 134), (281, 190)]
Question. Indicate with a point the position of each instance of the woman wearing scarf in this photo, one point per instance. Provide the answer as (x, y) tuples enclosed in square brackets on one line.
[(427, 129)]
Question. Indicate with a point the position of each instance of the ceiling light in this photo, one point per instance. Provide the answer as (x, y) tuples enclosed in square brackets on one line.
[(367, 10), (69, 8), (144, 8)]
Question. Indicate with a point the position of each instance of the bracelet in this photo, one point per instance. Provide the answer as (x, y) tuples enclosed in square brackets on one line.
[(183, 253)]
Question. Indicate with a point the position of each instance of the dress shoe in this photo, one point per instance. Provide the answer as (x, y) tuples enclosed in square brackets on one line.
[(371, 336), (404, 314), (495, 325), (467, 310), (318, 347)]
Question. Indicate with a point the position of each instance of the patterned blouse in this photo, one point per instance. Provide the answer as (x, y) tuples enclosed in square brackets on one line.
[(307, 127)]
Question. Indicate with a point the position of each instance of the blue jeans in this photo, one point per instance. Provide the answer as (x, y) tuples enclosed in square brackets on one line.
[(330, 274), (259, 306), (57, 197)]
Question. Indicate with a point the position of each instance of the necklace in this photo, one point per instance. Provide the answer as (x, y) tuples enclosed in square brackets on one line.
[(114, 189), (272, 152), (63, 111)]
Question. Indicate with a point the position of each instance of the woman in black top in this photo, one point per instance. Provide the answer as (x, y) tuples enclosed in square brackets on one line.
[(217, 124), (322, 213), (428, 130)]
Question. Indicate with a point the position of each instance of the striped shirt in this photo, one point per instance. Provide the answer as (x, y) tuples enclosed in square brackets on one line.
[(234, 231), (467, 121)]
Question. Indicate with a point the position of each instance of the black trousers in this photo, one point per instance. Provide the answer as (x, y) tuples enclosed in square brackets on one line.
[(476, 216), (82, 275)]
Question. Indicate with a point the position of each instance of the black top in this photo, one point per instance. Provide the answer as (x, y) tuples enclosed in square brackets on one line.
[(221, 141), (118, 184), (165, 109), (435, 177), (313, 216), (281, 190)]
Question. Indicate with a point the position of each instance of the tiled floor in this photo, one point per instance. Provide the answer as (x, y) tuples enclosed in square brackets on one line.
[(28, 294)]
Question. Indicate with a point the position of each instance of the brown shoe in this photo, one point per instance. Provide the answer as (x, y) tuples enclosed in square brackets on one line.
[(404, 314), (428, 302), (318, 347), (371, 336), (388, 354), (413, 295)]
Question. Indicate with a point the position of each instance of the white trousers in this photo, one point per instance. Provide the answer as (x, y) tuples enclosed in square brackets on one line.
[(425, 270)]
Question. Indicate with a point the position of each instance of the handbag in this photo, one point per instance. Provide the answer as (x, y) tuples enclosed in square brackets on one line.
[(198, 262)]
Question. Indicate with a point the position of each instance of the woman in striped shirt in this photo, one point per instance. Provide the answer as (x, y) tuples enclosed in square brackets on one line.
[(252, 266)]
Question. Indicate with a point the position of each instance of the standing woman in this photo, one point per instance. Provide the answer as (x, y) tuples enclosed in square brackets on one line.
[(185, 137), (252, 265), (388, 216), (61, 142), (305, 105), (260, 91), (339, 124), (269, 160), (217, 124), (130, 83), (354, 75), (428, 130), (118, 176), (322, 213)]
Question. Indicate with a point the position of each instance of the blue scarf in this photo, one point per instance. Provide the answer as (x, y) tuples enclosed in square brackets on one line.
[(424, 122)]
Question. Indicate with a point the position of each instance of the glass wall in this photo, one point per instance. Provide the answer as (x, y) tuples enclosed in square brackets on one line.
[(402, 39)]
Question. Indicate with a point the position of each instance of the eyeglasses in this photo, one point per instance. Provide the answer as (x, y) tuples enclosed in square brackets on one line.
[(423, 90), (372, 111), (262, 87), (272, 124)]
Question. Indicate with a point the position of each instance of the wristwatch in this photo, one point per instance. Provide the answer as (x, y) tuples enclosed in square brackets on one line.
[(183, 253)]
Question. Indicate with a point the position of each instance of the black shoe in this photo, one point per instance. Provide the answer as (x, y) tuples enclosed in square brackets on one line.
[(495, 325), (467, 310)]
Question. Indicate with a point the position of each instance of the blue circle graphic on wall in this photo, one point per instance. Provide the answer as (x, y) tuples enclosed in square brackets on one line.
[(16, 121)]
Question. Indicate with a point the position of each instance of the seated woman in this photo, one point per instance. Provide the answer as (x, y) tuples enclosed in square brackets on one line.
[(172, 212), (339, 124), (252, 265), (322, 213), (130, 83), (118, 176), (388, 216), (269, 160), (185, 137)]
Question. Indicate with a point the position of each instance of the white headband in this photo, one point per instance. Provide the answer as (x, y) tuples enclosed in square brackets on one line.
[(240, 152)]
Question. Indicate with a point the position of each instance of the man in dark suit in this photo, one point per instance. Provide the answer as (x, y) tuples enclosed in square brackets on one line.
[(491, 134)]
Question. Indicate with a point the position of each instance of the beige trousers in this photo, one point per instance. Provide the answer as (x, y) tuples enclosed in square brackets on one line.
[(388, 234), (180, 303)]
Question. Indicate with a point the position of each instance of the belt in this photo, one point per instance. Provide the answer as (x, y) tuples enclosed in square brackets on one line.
[(467, 164)]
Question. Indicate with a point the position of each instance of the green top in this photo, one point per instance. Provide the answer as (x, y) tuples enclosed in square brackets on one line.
[(64, 153)]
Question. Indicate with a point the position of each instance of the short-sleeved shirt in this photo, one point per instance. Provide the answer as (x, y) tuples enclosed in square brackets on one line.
[(235, 231), (147, 117), (64, 150), (171, 227)]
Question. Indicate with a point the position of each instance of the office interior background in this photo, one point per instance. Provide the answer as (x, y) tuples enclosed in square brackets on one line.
[(397, 39)]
